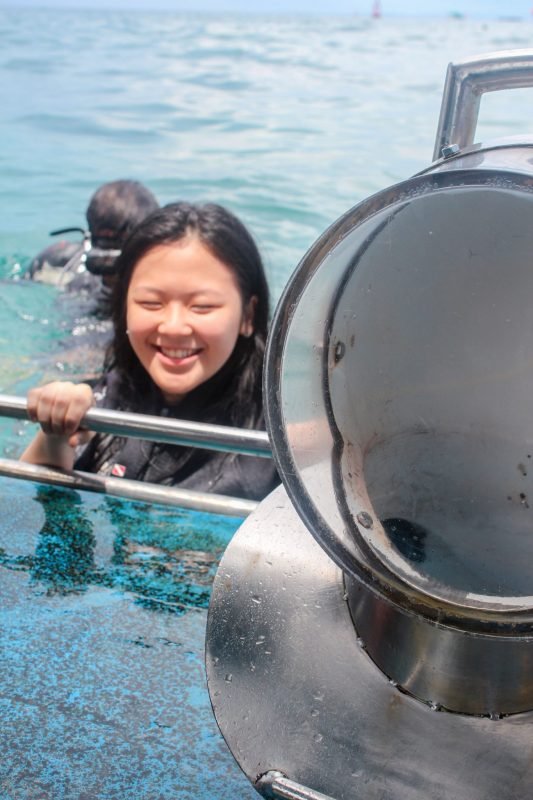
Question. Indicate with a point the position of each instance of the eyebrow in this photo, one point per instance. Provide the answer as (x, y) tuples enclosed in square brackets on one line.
[(209, 292)]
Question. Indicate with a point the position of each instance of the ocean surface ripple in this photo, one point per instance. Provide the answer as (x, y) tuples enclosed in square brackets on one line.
[(289, 121)]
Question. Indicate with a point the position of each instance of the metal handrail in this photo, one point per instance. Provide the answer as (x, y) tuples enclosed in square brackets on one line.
[(160, 429), (130, 489), (153, 429), (467, 82)]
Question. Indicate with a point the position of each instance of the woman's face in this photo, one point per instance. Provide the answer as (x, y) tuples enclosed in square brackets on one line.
[(184, 314)]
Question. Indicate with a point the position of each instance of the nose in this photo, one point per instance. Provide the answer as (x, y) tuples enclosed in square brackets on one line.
[(175, 320)]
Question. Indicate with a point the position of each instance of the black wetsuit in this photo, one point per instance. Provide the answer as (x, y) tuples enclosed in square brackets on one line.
[(62, 264), (171, 465), (56, 256)]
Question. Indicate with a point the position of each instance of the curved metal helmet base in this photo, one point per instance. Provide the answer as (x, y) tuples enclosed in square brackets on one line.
[(293, 689)]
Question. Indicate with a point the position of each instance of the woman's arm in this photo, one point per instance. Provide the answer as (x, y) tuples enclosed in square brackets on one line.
[(59, 407)]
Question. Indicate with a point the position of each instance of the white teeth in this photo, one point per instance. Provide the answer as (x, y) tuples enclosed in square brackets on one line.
[(178, 353)]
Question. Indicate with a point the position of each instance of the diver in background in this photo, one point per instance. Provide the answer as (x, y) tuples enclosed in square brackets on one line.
[(85, 271), (88, 266)]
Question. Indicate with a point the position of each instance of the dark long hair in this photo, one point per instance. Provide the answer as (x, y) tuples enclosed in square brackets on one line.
[(233, 395)]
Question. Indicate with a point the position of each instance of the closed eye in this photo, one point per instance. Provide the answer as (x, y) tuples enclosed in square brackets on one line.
[(150, 305), (204, 308)]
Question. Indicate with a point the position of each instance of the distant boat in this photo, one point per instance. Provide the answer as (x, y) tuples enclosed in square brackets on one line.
[(376, 9)]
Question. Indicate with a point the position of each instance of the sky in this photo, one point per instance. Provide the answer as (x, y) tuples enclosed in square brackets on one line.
[(469, 8)]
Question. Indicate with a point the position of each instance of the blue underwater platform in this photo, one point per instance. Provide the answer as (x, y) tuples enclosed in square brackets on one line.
[(102, 630)]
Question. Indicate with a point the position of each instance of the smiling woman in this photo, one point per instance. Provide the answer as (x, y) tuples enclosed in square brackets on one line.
[(185, 314), (190, 314)]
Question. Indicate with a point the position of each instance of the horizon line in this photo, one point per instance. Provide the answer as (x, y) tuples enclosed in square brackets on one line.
[(107, 6)]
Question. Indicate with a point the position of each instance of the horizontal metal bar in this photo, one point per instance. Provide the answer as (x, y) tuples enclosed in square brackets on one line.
[(160, 429), (132, 490), (275, 784)]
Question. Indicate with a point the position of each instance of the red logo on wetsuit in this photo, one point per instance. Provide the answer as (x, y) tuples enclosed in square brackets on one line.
[(118, 470)]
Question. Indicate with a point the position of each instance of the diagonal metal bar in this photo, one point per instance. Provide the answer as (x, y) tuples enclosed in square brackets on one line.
[(132, 490)]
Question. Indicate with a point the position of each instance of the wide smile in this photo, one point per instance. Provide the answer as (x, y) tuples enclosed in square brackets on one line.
[(179, 355)]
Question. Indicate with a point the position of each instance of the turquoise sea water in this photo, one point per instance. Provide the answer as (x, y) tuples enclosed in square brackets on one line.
[(289, 121)]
